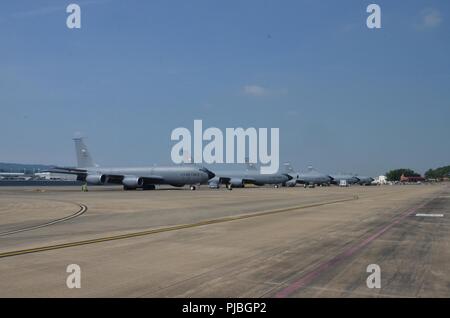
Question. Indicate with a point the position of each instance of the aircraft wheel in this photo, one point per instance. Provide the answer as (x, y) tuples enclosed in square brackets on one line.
[(276, 186), (193, 187)]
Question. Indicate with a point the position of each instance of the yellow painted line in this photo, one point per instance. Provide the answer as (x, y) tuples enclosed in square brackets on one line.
[(168, 229)]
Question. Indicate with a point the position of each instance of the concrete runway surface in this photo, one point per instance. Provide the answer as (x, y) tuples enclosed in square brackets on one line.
[(253, 242)]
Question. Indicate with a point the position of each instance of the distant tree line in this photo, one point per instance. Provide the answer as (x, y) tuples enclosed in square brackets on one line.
[(394, 175), (438, 173)]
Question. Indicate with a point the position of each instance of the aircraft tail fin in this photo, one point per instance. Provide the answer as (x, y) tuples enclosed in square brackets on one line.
[(84, 159), (287, 168)]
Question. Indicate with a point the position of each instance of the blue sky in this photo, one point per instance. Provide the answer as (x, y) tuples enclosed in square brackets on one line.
[(346, 98)]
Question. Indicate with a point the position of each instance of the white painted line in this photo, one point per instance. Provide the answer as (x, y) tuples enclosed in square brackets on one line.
[(431, 215)]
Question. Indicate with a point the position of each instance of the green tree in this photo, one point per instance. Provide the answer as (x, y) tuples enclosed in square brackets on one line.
[(438, 173), (430, 174)]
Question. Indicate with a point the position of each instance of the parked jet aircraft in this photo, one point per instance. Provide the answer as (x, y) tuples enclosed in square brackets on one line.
[(11, 174), (365, 180), (132, 178), (349, 179), (251, 175), (309, 178)]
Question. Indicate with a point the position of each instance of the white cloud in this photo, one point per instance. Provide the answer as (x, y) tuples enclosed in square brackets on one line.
[(259, 91), (255, 90), (39, 11), (431, 18)]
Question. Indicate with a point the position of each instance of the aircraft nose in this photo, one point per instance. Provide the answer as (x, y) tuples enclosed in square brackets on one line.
[(208, 172)]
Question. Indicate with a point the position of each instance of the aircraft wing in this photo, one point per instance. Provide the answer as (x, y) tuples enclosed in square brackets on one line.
[(111, 178), (153, 179), (300, 180), (118, 178), (148, 180), (244, 180), (224, 179), (67, 170)]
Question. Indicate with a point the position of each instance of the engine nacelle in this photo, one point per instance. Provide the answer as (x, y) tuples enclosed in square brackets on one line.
[(133, 182), (214, 185), (96, 179), (237, 183), (291, 183)]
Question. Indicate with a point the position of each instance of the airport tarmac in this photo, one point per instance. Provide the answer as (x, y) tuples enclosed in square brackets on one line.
[(253, 242)]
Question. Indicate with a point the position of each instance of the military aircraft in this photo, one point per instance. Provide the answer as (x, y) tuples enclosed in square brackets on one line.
[(145, 178), (365, 180), (346, 178), (251, 175), (309, 178), (11, 175)]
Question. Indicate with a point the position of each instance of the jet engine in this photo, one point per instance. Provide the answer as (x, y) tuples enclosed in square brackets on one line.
[(236, 183), (133, 182), (96, 179), (291, 183), (214, 185)]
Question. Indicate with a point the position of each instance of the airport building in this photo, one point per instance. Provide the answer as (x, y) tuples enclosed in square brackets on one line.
[(55, 176), (411, 179)]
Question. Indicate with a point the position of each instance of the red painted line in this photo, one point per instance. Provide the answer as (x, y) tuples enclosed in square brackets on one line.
[(306, 279)]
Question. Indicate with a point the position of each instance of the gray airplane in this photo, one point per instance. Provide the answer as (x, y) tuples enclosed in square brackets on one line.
[(349, 179), (309, 178), (251, 175), (365, 180), (145, 178)]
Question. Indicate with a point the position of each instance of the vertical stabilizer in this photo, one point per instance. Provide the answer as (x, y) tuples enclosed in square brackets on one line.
[(84, 159), (287, 168)]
